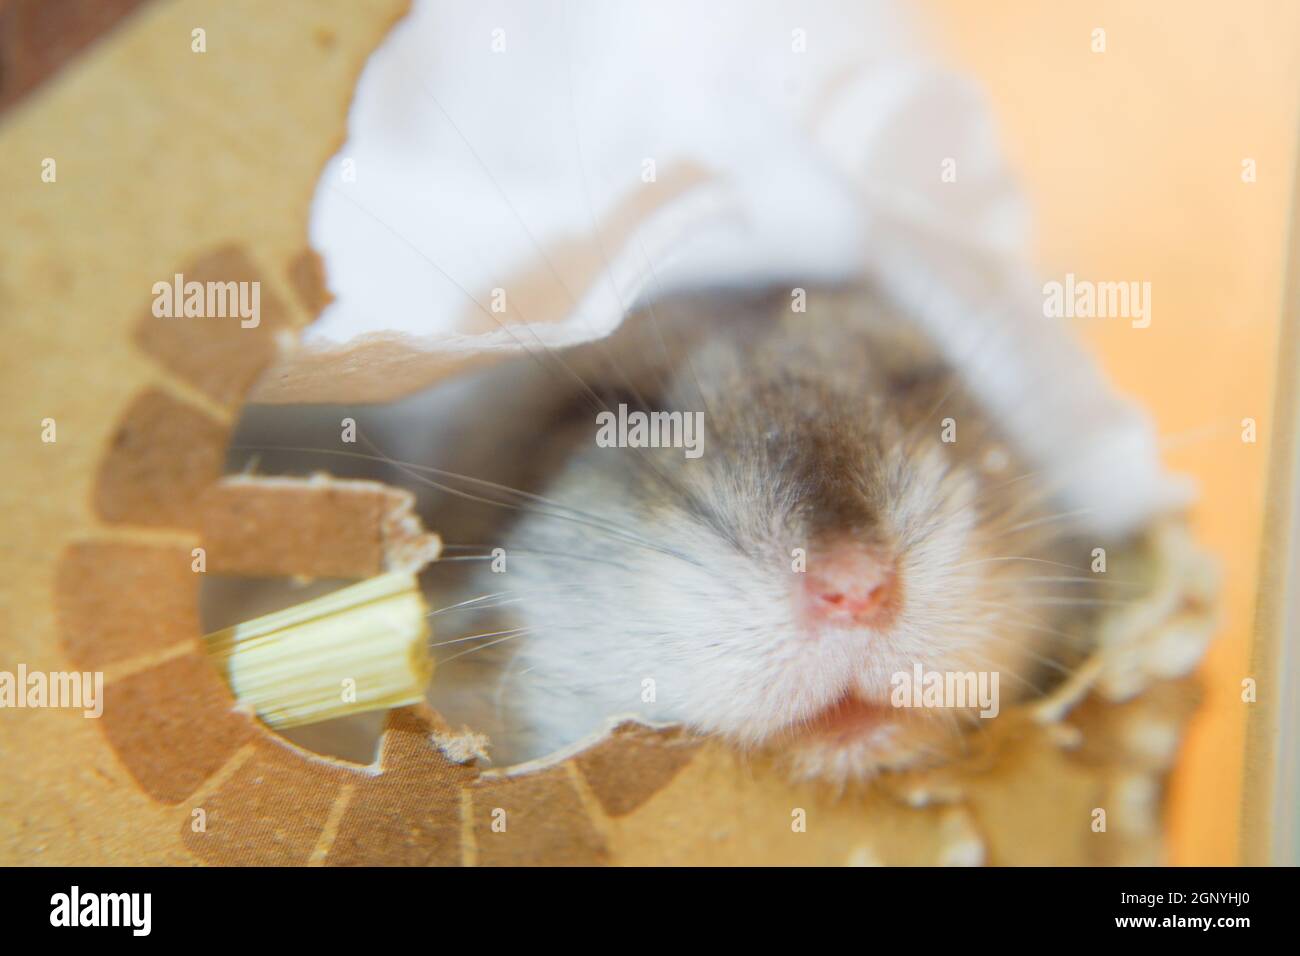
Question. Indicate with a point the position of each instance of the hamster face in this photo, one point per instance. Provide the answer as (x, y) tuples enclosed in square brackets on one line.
[(826, 538)]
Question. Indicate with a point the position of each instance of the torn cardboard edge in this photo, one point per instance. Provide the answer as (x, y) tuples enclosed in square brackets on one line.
[(294, 526), (359, 649), (316, 527), (843, 200)]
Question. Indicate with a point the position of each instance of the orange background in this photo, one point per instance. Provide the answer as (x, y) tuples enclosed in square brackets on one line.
[(1133, 161)]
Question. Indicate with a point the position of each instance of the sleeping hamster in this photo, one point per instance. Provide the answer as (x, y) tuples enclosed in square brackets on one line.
[(845, 513)]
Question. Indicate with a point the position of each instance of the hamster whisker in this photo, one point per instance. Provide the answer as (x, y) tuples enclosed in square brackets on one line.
[(1014, 557), (1045, 661), (1096, 581), (996, 509), (461, 557), (1048, 598), (953, 721), (922, 527), (492, 606), (1020, 598), (1077, 602), (961, 374), (638, 453), (409, 467), (1038, 522), (463, 604), (1021, 679), (513, 631), (968, 368), (546, 351), (1001, 510), (994, 665), (541, 250), (485, 601), (598, 340), (562, 555), (480, 647), (381, 457), (592, 521), (654, 322), (609, 270), (1022, 617), (1011, 481)]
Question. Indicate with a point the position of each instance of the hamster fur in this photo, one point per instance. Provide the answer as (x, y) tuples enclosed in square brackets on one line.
[(853, 513)]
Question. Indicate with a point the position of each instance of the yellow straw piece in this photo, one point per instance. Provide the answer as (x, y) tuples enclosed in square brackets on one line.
[(362, 648)]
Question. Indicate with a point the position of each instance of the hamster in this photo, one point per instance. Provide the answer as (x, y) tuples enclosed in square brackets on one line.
[(849, 514)]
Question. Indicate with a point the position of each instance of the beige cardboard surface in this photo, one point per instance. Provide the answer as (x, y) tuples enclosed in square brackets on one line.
[(164, 157)]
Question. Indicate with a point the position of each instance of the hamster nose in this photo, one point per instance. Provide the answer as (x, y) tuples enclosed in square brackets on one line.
[(850, 584)]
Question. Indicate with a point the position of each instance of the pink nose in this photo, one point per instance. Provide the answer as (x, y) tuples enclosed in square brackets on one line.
[(850, 584)]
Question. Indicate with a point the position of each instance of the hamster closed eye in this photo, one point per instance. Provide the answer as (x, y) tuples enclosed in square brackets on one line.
[(851, 516)]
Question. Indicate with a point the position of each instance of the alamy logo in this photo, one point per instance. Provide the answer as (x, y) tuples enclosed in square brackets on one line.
[(103, 909), (942, 689), (638, 429), (1084, 299), (66, 689), (208, 300)]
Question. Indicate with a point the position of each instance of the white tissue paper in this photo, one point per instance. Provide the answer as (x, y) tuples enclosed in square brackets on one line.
[(524, 173)]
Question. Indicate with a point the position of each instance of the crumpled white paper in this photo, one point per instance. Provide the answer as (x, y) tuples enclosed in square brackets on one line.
[(519, 173)]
